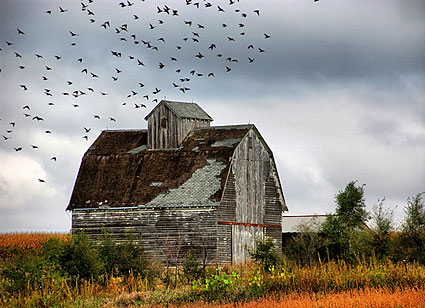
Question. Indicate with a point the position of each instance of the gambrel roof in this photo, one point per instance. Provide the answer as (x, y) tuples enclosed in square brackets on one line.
[(119, 171)]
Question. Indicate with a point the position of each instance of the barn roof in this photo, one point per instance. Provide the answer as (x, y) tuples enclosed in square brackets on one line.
[(119, 171), (184, 110)]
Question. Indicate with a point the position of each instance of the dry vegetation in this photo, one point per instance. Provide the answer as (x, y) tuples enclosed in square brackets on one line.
[(367, 283)]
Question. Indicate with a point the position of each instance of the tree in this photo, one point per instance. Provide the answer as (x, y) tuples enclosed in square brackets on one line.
[(350, 215), (304, 247), (413, 230), (381, 232)]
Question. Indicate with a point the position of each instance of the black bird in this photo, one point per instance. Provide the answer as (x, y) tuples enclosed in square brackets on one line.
[(219, 9), (53, 158), (141, 85), (199, 55), (86, 137), (261, 50), (38, 118), (228, 69), (80, 60), (21, 67), (20, 31), (23, 87), (112, 119), (94, 75), (161, 65), (13, 124), (250, 60), (258, 11), (6, 138), (18, 149), (212, 46), (140, 63), (211, 74), (34, 146), (48, 132), (58, 57), (96, 116), (267, 36), (62, 10), (38, 55), (41, 181), (73, 34), (26, 107), (48, 68)]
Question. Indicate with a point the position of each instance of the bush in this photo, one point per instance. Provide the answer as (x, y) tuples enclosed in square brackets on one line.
[(81, 259), (264, 253), (192, 269)]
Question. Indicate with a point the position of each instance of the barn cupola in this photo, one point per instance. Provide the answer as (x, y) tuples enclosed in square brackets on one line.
[(170, 122)]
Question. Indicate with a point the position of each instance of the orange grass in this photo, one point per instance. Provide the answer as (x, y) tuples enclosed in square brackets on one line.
[(367, 298), (13, 243)]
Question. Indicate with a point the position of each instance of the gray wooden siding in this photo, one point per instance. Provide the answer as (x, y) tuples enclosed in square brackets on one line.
[(256, 195), (162, 233), (166, 130), (226, 212)]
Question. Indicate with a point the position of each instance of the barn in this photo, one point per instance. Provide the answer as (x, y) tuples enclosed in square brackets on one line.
[(181, 185)]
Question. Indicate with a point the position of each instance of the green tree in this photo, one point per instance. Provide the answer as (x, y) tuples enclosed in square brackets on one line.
[(413, 230), (350, 215), (381, 232)]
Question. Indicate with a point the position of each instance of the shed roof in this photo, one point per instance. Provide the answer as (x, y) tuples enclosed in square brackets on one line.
[(290, 223), (184, 110), (119, 171)]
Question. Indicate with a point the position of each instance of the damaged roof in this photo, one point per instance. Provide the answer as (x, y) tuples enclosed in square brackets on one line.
[(119, 171), (184, 110)]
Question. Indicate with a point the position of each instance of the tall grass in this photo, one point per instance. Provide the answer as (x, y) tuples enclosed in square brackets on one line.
[(12, 244), (44, 283), (364, 298)]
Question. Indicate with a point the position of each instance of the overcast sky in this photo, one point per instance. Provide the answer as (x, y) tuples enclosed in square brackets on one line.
[(338, 93)]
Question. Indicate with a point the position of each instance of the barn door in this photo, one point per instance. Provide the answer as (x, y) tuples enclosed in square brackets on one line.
[(243, 239)]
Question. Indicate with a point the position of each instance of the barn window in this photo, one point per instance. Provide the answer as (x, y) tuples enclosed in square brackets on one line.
[(164, 123)]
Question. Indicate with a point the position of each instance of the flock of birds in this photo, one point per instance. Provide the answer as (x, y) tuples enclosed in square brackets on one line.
[(203, 42)]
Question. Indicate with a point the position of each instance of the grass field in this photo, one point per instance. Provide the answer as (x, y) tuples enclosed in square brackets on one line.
[(44, 283)]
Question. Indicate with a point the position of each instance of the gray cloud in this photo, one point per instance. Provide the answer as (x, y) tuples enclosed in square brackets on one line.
[(338, 93)]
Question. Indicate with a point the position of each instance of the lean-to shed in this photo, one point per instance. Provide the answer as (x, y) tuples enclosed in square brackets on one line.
[(181, 185)]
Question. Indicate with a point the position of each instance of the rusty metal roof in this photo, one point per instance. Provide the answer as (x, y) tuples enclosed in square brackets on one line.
[(119, 171), (184, 110)]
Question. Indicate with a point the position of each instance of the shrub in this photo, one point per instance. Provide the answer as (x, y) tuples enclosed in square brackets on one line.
[(192, 269), (81, 259), (264, 253)]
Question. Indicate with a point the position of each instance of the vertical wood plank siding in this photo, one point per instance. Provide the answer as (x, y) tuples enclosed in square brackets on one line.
[(256, 199), (167, 130), (162, 233)]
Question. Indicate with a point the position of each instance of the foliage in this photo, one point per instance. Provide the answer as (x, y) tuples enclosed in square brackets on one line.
[(350, 215), (412, 238), (306, 245), (80, 258), (192, 269), (264, 252)]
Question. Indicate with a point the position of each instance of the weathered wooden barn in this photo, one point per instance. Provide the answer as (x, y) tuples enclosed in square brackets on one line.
[(181, 185)]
